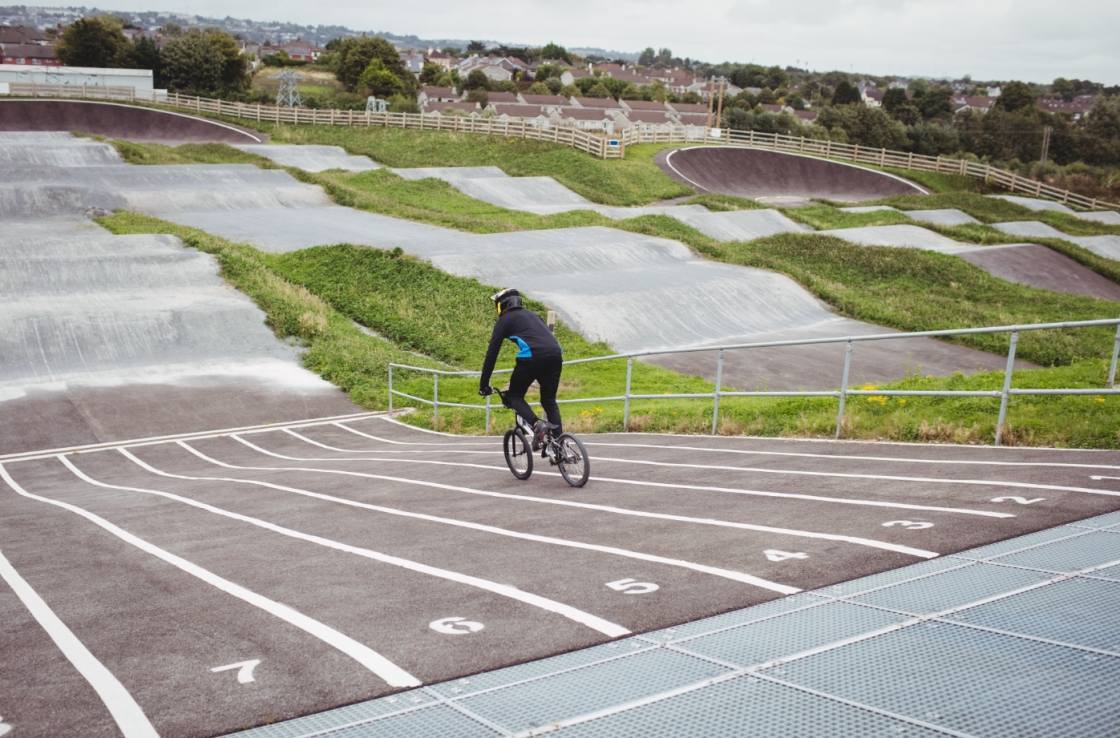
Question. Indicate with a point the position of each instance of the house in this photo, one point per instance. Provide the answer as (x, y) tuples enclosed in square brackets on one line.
[(638, 80), (645, 105), (1078, 109), (585, 120), (452, 108), (499, 98), (438, 57), (961, 103), (497, 68), (994, 91), (22, 35), (28, 54), (806, 116), (696, 119), (871, 98), (534, 115), (769, 108), (437, 94), (609, 69), (299, 50), (704, 90), (694, 108), (413, 61), (570, 76), (645, 121), (596, 103), (546, 101)]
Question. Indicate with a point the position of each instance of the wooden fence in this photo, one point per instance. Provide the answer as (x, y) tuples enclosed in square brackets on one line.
[(594, 143)]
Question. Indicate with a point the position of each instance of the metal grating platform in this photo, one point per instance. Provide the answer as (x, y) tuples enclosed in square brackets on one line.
[(1018, 638)]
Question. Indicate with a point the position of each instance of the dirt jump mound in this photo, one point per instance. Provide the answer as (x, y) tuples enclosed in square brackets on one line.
[(772, 175), (119, 121)]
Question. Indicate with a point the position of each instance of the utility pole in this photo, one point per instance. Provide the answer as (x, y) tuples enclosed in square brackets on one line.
[(1046, 142), (719, 114), (711, 99), (288, 95)]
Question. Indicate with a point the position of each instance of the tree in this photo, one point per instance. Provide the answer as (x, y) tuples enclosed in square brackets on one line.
[(598, 90), (479, 96), (93, 42), (647, 56), (907, 113), (1015, 96), (767, 97), (144, 54), (692, 98), (235, 65), (554, 85), (476, 47), (865, 126), (538, 88), (894, 97), (454, 51), (775, 77), (431, 72), (173, 30), (192, 63), (355, 54), (936, 104), (919, 87), (569, 91), (795, 101), (1063, 88), (378, 81), (555, 51), (477, 80), (846, 94)]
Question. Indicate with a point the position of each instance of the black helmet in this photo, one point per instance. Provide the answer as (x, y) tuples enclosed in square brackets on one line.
[(506, 300)]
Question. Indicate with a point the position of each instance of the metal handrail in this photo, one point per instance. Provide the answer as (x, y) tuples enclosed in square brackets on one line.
[(842, 394)]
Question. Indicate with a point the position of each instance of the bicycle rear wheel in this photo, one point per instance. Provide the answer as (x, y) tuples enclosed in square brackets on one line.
[(519, 456), (572, 459)]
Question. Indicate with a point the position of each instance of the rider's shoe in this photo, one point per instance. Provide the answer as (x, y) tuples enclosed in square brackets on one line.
[(540, 430)]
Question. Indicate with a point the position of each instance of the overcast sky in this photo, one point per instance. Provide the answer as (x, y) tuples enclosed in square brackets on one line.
[(1033, 40)]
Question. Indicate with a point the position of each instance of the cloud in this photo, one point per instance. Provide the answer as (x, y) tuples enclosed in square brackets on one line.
[(1036, 40)]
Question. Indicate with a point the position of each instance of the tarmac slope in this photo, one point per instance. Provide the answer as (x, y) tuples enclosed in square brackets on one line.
[(1106, 246), (757, 174), (116, 120), (106, 337), (227, 581), (310, 158)]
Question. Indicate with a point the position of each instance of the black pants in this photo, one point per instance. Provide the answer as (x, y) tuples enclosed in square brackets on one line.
[(546, 371)]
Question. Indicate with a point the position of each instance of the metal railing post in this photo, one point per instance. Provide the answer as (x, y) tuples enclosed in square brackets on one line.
[(715, 399), (626, 402), (844, 388), (390, 390), (1006, 387), (435, 402), (487, 431), (1115, 355)]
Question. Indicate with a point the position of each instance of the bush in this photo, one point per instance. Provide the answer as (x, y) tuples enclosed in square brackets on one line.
[(93, 42), (192, 63), (538, 88), (378, 81)]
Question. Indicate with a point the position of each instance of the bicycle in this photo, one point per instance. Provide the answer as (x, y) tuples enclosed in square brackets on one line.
[(564, 451)]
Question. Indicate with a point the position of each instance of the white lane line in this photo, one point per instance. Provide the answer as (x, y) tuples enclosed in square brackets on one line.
[(725, 573), (605, 627), (885, 477), (892, 459), (368, 658), (129, 717), (586, 506), (495, 450), (493, 443), (639, 483)]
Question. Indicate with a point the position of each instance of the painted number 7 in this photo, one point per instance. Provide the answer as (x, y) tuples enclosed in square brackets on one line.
[(633, 587)]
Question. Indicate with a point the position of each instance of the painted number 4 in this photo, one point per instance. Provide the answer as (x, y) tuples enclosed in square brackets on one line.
[(244, 670), (633, 587), (908, 524)]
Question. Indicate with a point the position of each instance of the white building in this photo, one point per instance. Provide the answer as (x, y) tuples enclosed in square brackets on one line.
[(140, 79)]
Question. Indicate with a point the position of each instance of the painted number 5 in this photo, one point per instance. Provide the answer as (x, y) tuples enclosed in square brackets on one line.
[(633, 587), (908, 524)]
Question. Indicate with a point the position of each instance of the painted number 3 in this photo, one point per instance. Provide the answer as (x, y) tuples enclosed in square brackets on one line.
[(908, 524), (633, 587)]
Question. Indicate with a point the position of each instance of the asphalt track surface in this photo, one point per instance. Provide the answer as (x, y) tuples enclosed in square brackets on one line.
[(219, 582), (758, 174), (120, 121)]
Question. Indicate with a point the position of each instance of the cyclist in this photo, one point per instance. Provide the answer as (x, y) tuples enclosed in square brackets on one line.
[(538, 357)]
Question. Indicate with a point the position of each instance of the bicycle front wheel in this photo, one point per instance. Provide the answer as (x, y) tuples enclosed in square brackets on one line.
[(519, 456), (572, 459)]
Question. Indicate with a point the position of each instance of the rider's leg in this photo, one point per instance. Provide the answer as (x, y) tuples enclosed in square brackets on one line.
[(548, 377), (523, 375)]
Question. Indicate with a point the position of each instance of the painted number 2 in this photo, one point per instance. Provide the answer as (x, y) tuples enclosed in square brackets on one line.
[(1020, 500), (633, 587), (908, 524), (244, 670)]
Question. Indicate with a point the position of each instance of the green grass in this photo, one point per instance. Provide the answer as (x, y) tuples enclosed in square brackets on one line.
[(826, 217)]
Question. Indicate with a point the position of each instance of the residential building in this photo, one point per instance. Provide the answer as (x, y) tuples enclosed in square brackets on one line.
[(645, 121), (547, 101), (28, 54), (638, 80), (450, 108), (585, 120), (444, 60), (413, 60), (1078, 109), (961, 103), (693, 108), (532, 114), (503, 98), (570, 76), (23, 35), (596, 103), (807, 116), (645, 105), (437, 94), (299, 50)]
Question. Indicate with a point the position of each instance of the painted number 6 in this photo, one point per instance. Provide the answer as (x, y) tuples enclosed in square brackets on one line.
[(633, 587), (908, 524)]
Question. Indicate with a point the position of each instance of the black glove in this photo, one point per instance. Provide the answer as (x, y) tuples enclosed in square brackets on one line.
[(485, 391)]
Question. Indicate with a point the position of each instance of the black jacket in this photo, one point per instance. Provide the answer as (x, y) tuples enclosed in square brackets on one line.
[(525, 328)]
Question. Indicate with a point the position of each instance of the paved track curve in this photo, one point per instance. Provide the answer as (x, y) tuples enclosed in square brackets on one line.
[(233, 579), (758, 174), (116, 120)]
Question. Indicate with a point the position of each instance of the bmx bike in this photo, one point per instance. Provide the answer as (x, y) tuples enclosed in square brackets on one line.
[(564, 451)]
